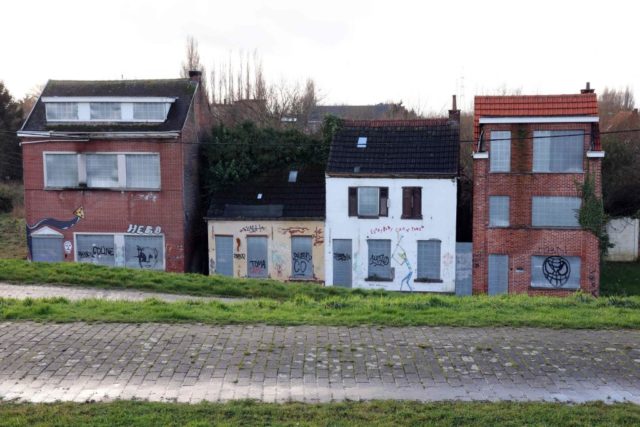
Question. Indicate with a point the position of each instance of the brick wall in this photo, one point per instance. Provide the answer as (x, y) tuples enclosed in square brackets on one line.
[(111, 211), (520, 241)]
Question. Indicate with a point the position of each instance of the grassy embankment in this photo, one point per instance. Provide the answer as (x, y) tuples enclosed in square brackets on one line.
[(377, 413)]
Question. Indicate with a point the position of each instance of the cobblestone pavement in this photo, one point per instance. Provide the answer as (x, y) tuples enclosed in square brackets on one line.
[(190, 363), (74, 293)]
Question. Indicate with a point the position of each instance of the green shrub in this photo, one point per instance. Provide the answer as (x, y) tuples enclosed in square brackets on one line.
[(6, 201)]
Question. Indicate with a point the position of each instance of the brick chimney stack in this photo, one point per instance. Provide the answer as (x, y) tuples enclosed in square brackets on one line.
[(454, 113), (587, 89)]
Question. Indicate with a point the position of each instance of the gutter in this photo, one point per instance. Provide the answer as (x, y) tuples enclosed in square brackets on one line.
[(99, 135)]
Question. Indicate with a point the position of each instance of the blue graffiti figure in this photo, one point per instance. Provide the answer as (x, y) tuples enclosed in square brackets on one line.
[(78, 214), (407, 278), (403, 259)]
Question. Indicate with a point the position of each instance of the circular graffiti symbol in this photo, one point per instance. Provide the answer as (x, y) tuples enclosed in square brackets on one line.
[(556, 270)]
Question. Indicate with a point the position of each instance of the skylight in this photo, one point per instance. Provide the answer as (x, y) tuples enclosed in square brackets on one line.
[(293, 176), (362, 142), (259, 196)]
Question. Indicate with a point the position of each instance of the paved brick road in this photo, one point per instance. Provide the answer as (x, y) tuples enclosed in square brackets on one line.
[(78, 361), (74, 293)]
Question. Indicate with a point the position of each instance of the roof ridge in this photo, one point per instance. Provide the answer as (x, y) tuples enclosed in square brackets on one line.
[(396, 122)]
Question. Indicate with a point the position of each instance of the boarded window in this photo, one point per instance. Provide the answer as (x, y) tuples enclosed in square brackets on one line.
[(145, 252), (61, 170), (500, 151), (105, 111), (257, 256), (557, 272), (499, 211), (143, 171), (224, 255), (62, 111), (342, 262), (153, 111), (302, 257), (498, 274), (555, 211), (46, 248), (368, 201), (96, 249), (379, 259), (558, 150), (429, 259), (412, 202), (102, 170)]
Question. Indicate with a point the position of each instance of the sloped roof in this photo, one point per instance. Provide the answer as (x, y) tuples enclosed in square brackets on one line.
[(583, 104), (181, 89), (423, 147), (360, 112), (279, 198)]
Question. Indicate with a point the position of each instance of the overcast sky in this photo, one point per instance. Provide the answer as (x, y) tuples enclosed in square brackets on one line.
[(357, 51)]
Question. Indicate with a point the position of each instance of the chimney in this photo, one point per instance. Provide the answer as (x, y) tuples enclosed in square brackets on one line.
[(454, 113), (195, 75), (587, 89)]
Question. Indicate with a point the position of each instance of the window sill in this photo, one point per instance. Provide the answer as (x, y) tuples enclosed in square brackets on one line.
[(302, 279), (425, 280), (411, 217), (378, 279), (551, 288), (100, 189)]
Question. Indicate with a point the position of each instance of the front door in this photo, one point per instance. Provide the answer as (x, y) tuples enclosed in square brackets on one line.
[(498, 274), (257, 256), (342, 262)]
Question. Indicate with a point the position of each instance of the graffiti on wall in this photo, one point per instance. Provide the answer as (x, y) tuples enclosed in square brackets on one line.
[(338, 256), (68, 247), (551, 250), (556, 270), (293, 230), (378, 260), (399, 229), (78, 214), (144, 229), (147, 257), (253, 228), (399, 255), (301, 262), (96, 252), (318, 236), (239, 256)]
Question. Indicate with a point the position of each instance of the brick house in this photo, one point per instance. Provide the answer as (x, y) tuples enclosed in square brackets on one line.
[(531, 154), (391, 204), (111, 172), (271, 225)]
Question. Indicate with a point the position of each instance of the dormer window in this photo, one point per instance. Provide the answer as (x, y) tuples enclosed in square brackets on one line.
[(107, 109)]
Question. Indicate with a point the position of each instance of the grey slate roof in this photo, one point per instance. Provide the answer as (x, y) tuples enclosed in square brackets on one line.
[(280, 198), (360, 112), (182, 89), (425, 147)]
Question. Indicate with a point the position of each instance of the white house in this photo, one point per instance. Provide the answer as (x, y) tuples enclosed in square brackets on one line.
[(391, 205)]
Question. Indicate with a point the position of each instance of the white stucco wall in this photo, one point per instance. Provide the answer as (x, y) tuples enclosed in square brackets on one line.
[(623, 233), (438, 222)]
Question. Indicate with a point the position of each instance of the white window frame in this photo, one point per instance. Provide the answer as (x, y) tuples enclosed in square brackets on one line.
[(118, 244), (122, 170), (126, 108)]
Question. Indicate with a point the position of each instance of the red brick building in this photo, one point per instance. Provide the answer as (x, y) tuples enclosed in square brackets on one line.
[(111, 172), (531, 154)]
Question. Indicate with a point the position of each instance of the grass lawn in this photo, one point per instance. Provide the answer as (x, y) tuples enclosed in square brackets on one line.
[(377, 413), (575, 312), (12, 225)]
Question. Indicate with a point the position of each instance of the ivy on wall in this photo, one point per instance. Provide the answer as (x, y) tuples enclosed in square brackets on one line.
[(591, 215)]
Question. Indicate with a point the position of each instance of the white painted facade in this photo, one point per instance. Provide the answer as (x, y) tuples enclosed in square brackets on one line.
[(438, 222)]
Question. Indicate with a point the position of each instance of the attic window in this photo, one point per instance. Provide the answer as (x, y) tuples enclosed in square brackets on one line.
[(107, 109), (259, 196), (293, 176), (362, 142)]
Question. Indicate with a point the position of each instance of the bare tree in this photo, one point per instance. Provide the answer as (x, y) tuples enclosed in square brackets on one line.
[(192, 63)]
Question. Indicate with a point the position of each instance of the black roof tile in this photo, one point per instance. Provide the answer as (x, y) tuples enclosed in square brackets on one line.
[(396, 147), (280, 198), (181, 89)]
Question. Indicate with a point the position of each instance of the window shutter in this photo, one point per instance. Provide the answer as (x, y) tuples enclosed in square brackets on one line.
[(406, 202), (417, 202), (384, 197), (353, 201)]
